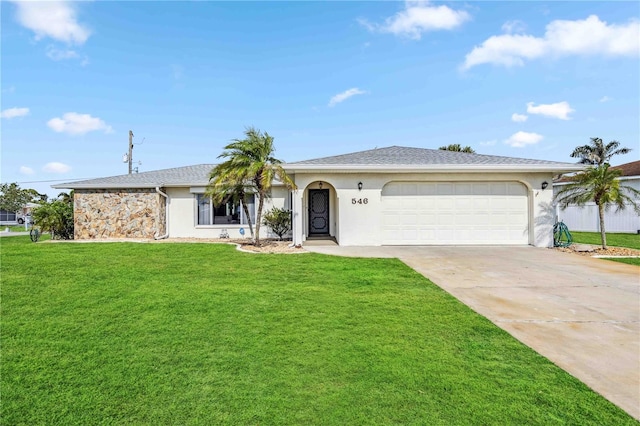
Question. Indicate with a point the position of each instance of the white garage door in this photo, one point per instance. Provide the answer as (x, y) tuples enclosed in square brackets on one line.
[(420, 213)]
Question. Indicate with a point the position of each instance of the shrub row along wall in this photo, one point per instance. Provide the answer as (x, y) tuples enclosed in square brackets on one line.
[(125, 213)]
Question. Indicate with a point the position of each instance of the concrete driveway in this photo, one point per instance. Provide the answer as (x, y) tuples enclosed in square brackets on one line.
[(581, 313)]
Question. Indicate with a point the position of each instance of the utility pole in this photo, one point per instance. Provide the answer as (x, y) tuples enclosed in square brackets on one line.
[(130, 151)]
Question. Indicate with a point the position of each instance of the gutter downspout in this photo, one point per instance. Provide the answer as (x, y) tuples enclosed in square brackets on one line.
[(166, 216)]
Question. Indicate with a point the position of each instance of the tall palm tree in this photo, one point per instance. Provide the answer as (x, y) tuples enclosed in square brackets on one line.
[(457, 148), (250, 161), (601, 185), (597, 153)]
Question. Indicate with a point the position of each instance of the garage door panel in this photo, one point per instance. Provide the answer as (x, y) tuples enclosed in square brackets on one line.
[(444, 188), (498, 189), (455, 213)]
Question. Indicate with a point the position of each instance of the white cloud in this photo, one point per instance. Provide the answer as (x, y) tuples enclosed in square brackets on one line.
[(518, 118), (77, 124), (53, 19), (489, 143), (522, 139), (340, 97), (605, 99), (559, 110), (59, 55), (515, 26), (55, 167), (10, 113), (589, 36), (417, 18), (26, 170)]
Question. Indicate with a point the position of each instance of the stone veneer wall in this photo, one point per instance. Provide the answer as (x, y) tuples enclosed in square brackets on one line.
[(118, 213)]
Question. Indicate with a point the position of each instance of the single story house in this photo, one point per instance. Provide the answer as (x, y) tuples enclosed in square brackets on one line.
[(21, 216), (585, 218), (386, 196)]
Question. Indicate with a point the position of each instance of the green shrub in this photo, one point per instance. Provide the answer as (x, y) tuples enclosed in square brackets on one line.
[(55, 217), (279, 220)]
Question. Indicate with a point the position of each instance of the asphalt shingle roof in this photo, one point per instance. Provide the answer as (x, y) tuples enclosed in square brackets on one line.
[(399, 155), (197, 175), (391, 158), (629, 169)]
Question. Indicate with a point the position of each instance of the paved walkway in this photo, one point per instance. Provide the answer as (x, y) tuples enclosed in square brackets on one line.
[(581, 313)]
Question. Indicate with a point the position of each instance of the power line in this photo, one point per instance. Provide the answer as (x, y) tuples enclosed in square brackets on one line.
[(54, 180)]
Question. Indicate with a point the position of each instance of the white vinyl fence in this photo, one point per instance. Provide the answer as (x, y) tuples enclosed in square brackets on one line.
[(586, 219)]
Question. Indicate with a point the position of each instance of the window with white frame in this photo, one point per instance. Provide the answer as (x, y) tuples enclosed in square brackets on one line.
[(6, 216), (229, 213)]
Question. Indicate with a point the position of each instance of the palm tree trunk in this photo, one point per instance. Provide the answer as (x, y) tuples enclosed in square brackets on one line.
[(246, 214), (258, 218), (603, 234)]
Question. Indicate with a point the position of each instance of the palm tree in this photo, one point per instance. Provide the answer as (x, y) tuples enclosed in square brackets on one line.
[(597, 153), (250, 162), (66, 197), (457, 148), (601, 185)]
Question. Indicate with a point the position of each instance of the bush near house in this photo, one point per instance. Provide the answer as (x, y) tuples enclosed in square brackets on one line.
[(55, 217), (279, 220)]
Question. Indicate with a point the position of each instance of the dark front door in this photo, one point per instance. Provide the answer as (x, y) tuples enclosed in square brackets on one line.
[(318, 211)]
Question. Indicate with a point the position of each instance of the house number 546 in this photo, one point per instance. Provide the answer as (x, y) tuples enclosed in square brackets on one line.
[(359, 201)]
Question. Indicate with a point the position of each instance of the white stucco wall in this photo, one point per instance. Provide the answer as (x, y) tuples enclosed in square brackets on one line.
[(182, 221), (360, 223)]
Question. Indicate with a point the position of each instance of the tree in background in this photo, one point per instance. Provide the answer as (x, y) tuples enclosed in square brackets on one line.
[(457, 148), (13, 198), (56, 217), (279, 220), (598, 183), (250, 161), (596, 153)]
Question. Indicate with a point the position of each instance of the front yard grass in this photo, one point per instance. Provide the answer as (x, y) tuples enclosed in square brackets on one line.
[(628, 260), (117, 333), (613, 239)]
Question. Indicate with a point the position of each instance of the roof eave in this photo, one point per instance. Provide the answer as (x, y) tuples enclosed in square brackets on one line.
[(434, 168)]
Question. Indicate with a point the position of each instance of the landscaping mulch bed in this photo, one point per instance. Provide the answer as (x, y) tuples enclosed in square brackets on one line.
[(599, 251), (266, 245)]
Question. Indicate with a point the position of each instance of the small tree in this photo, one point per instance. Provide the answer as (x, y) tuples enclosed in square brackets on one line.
[(598, 183), (596, 153), (279, 220), (250, 161), (56, 217), (457, 148), (601, 185), (13, 198)]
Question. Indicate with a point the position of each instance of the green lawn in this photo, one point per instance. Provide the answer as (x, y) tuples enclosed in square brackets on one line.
[(14, 228), (613, 239), (125, 333), (628, 260)]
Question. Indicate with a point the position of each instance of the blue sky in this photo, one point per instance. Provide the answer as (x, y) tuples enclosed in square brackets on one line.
[(520, 79)]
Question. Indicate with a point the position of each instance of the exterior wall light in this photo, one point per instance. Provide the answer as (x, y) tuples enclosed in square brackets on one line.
[(545, 184), (359, 186), (320, 185)]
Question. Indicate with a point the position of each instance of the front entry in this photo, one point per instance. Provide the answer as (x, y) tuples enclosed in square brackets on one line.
[(318, 212)]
